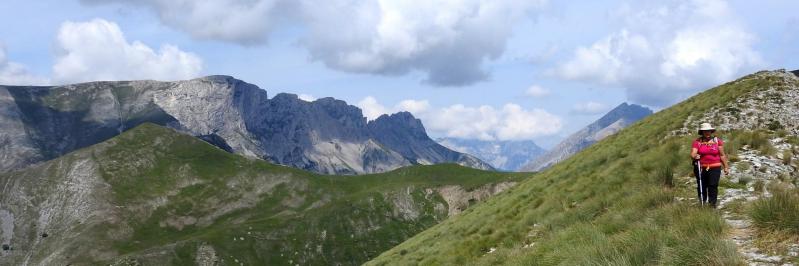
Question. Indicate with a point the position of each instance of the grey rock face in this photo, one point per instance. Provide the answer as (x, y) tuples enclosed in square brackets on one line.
[(325, 136), (615, 120), (405, 134), (505, 155), (772, 107)]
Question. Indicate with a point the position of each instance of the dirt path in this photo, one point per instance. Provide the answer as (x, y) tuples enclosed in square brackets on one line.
[(761, 170), (743, 235)]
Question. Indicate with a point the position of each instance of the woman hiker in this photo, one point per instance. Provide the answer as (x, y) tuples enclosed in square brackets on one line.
[(708, 154)]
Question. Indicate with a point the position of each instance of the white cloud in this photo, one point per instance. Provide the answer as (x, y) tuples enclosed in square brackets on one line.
[(12, 73), (589, 108), (371, 108), (306, 97), (241, 21), (511, 122), (448, 40), (98, 50), (536, 91), (414, 106), (667, 51)]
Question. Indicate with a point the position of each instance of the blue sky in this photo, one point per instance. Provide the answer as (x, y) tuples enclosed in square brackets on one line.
[(466, 68)]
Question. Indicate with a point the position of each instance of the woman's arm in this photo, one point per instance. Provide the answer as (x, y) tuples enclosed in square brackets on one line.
[(724, 160), (694, 154)]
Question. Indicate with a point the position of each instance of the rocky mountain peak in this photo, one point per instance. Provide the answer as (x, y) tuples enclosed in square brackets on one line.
[(615, 120), (403, 121), (325, 136), (220, 78), (631, 112), (285, 97)]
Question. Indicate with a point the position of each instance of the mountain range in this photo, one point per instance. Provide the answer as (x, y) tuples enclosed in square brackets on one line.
[(155, 196), (178, 173), (325, 136), (507, 155), (616, 119)]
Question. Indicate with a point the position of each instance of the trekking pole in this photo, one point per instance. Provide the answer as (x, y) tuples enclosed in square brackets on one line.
[(699, 178)]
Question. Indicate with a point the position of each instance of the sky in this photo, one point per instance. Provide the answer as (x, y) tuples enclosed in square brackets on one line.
[(476, 69)]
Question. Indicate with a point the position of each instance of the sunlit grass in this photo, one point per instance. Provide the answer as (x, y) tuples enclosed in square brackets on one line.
[(611, 204)]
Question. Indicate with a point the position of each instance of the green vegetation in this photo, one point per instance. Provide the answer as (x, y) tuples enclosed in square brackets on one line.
[(756, 140), (744, 180), (350, 227), (598, 208), (779, 212), (176, 193)]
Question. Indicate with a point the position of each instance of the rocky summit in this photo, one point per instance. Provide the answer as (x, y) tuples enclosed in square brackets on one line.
[(620, 117), (325, 136)]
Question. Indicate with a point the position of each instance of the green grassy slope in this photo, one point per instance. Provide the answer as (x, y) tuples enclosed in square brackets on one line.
[(607, 205), (154, 196)]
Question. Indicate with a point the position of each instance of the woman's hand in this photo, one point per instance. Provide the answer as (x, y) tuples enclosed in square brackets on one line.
[(726, 170)]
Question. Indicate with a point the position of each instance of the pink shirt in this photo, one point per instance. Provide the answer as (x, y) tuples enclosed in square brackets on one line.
[(709, 151)]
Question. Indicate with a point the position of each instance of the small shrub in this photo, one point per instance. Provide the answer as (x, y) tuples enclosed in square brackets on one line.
[(744, 166), (793, 140), (779, 212), (666, 175), (783, 177), (767, 149), (774, 125), (737, 206), (759, 185), (726, 183), (756, 140), (787, 156), (744, 180)]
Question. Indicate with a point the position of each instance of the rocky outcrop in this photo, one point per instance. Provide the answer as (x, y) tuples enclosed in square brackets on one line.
[(326, 136), (405, 134), (615, 120), (505, 155), (459, 199), (773, 107)]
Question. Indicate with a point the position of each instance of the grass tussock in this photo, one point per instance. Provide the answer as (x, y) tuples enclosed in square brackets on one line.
[(756, 140), (776, 241), (779, 212)]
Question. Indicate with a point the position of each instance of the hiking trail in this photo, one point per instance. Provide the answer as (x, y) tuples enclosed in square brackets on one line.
[(757, 172)]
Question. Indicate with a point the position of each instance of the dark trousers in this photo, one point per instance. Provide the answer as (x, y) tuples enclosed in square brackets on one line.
[(709, 189)]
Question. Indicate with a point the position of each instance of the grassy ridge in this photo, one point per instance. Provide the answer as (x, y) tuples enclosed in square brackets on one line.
[(609, 204), (177, 193)]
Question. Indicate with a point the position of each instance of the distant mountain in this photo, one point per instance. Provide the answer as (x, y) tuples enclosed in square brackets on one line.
[(325, 136), (615, 120), (154, 196), (505, 155)]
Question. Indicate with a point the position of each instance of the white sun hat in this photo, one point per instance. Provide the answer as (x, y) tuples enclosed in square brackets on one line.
[(705, 126)]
